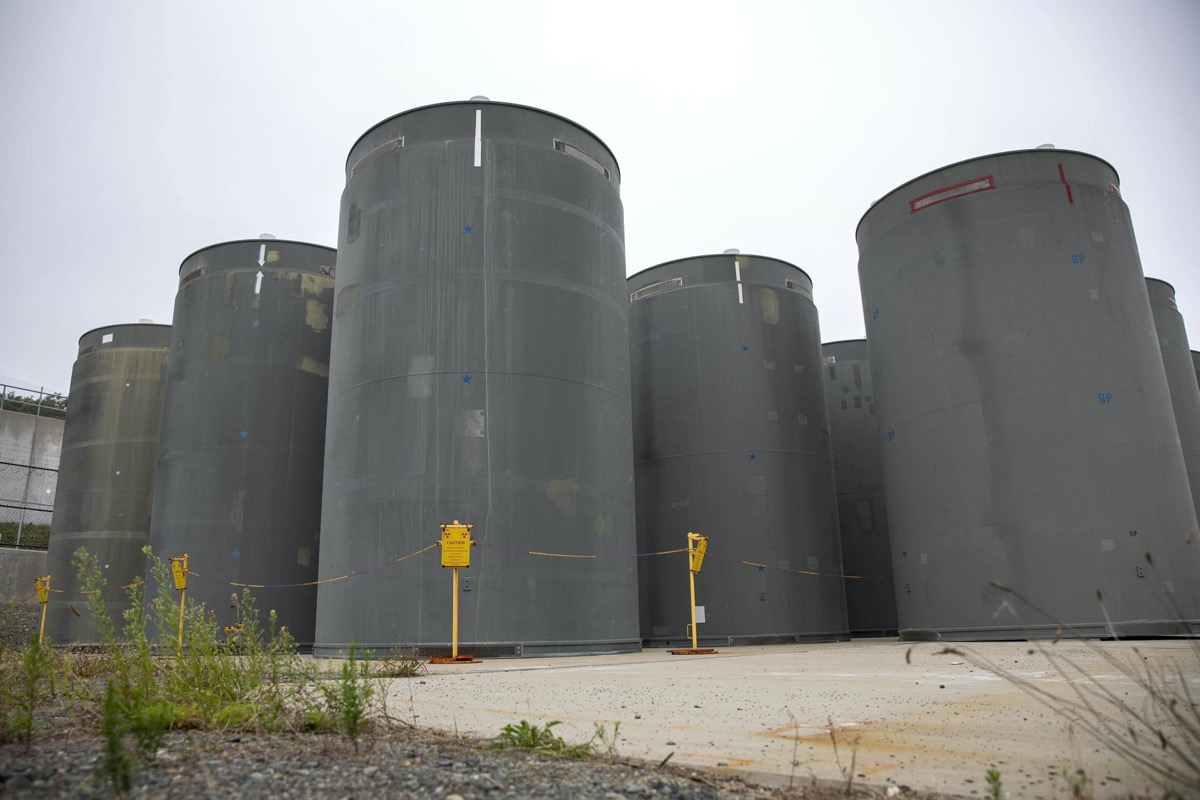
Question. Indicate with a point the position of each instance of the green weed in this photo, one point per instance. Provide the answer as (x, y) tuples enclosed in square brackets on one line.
[(22, 690), (532, 737), (398, 665), (1078, 782), (117, 764), (350, 697), (606, 740), (995, 790)]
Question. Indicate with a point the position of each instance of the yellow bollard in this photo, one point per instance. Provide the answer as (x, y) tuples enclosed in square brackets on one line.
[(179, 572), (697, 545), (454, 613), (43, 593), (456, 552)]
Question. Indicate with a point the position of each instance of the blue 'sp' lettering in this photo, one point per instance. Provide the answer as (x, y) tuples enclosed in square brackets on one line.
[(891, 435), (1104, 397)]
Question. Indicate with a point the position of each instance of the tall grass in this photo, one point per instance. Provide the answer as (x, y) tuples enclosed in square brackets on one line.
[(1155, 730)]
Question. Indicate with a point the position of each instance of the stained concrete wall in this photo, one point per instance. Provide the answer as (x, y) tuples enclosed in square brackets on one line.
[(28, 441), (18, 568)]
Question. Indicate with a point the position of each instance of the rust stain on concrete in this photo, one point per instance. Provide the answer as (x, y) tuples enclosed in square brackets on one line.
[(316, 315), (218, 348), (310, 364)]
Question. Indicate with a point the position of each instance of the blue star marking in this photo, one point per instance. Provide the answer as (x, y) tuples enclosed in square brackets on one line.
[(467, 228), (237, 553), (255, 323), (762, 569), (745, 348), (243, 434), (753, 456), (466, 378)]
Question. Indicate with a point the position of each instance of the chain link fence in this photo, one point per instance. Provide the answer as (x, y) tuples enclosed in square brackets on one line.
[(30, 445)]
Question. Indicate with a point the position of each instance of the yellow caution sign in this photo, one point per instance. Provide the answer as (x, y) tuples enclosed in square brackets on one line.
[(43, 588), (456, 544), (179, 571), (697, 553)]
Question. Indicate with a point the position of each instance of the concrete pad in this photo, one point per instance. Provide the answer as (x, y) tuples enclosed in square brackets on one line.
[(936, 724)]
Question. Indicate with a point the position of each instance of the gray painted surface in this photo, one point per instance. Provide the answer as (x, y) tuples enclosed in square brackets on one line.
[(480, 372), (858, 475), (18, 569), (1196, 365), (1026, 425), (1181, 376), (243, 438), (106, 472), (731, 441)]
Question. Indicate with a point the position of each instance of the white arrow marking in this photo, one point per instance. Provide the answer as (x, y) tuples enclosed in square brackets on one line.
[(258, 282), (262, 254)]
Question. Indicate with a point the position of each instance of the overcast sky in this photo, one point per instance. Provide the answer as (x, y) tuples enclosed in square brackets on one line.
[(137, 132)]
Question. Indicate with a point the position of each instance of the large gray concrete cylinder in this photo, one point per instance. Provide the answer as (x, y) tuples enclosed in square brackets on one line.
[(243, 437), (1026, 425), (106, 472), (1181, 376), (731, 441), (858, 474), (480, 372)]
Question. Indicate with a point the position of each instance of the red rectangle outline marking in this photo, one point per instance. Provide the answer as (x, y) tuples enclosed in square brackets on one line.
[(912, 204)]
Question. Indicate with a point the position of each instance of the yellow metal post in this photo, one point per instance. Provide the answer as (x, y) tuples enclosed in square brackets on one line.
[(454, 614), (179, 572), (692, 586), (697, 545), (179, 640), (43, 591), (456, 552)]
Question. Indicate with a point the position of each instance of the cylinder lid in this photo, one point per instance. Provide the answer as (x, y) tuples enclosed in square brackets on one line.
[(250, 252), (138, 335), (385, 131), (1161, 292), (1014, 167), (711, 269), (847, 350)]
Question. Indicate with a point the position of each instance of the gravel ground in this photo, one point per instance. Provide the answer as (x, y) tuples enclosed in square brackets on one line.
[(18, 623), (397, 762)]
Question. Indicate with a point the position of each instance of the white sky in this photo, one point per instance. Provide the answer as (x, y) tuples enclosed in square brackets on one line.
[(134, 133)]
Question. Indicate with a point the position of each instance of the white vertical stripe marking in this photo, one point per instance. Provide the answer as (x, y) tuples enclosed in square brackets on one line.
[(478, 137), (737, 273)]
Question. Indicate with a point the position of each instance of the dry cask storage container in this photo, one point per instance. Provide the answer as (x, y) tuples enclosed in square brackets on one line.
[(106, 472), (731, 442), (1181, 375), (858, 474), (239, 472), (1024, 414), (480, 372)]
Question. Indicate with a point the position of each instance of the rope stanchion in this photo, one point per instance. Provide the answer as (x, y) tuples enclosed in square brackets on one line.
[(583, 555), (536, 553), (354, 574), (744, 562), (799, 571)]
